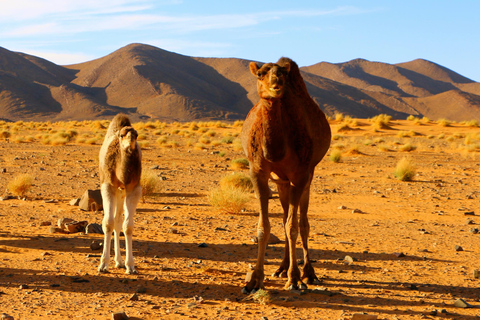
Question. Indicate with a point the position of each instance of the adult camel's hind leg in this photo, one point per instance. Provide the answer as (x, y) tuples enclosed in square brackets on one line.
[(308, 271), (284, 194), (260, 184)]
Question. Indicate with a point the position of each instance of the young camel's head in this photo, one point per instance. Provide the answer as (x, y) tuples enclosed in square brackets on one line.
[(128, 138), (271, 79)]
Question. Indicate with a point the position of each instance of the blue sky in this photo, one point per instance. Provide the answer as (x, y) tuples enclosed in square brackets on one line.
[(73, 31)]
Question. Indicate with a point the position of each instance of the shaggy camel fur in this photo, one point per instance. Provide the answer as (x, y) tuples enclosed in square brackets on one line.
[(120, 171), (284, 136)]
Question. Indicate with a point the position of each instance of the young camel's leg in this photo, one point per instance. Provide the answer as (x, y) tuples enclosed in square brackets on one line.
[(120, 196), (260, 183), (131, 202), (308, 270), (284, 194), (109, 206)]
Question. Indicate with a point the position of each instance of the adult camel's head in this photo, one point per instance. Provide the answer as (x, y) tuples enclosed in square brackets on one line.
[(271, 79)]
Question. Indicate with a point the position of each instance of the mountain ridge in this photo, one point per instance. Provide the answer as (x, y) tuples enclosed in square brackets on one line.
[(147, 82)]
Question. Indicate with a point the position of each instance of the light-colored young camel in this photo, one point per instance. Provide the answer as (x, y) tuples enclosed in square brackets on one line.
[(284, 136), (120, 171)]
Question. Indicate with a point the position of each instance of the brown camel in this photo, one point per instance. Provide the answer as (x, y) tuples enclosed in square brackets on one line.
[(284, 137), (120, 171)]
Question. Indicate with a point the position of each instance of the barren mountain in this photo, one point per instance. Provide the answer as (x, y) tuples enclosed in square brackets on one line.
[(148, 82)]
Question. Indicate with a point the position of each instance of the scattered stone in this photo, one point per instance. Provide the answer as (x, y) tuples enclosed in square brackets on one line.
[(458, 248), (23, 286), (91, 201), (469, 221), (6, 317), (348, 260), (63, 221), (6, 198), (342, 208), (399, 254), (364, 316), (273, 239), (94, 228), (141, 290), (172, 230), (119, 316), (76, 226), (54, 229), (155, 167), (96, 245), (469, 213), (166, 208), (474, 230), (134, 297), (45, 223), (357, 211), (460, 303), (203, 245), (476, 274), (50, 201), (74, 202), (198, 299)]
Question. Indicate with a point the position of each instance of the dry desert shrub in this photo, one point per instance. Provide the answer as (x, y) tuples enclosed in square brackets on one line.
[(151, 184), (262, 297), (20, 185), (5, 134), (405, 170), (444, 123), (239, 164), (228, 200), (382, 121), (472, 123), (335, 155), (237, 180), (407, 147), (238, 123), (383, 148), (338, 116)]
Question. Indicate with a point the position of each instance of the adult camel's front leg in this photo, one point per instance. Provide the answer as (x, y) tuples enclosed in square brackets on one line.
[(284, 194), (260, 184), (308, 271), (119, 199), (291, 229)]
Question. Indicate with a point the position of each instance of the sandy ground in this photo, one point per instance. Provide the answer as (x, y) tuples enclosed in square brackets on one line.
[(403, 241)]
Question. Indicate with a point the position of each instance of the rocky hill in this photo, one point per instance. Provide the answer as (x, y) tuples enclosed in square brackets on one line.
[(150, 83)]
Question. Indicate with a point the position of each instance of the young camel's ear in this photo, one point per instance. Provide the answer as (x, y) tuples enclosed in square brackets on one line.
[(287, 66), (254, 68)]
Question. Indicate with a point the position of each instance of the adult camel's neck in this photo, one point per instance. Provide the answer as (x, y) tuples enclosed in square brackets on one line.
[(274, 142)]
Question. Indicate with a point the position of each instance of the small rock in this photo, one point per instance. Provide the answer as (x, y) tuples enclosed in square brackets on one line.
[(50, 201), (399, 254), (23, 286), (74, 202), (458, 248), (155, 167), (469, 221), (76, 226), (53, 229), (357, 211), (134, 297), (342, 208), (94, 228), (45, 223), (172, 230), (91, 201), (476, 274), (96, 245), (63, 221), (348, 260), (6, 317), (469, 213), (141, 290), (119, 316), (460, 303), (203, 245), (474, 230)]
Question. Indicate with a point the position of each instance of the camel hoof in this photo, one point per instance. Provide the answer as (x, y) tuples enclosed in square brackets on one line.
[(303, 286), (119, 265), (131, 270), (316, 282), (245, 290), (103, 270), (291, 287)]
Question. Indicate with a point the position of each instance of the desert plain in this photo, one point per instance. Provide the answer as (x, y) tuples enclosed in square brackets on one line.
[(383, 248)]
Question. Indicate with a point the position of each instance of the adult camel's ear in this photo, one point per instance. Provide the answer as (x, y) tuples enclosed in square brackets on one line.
[(254, 68), (287, 66)]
